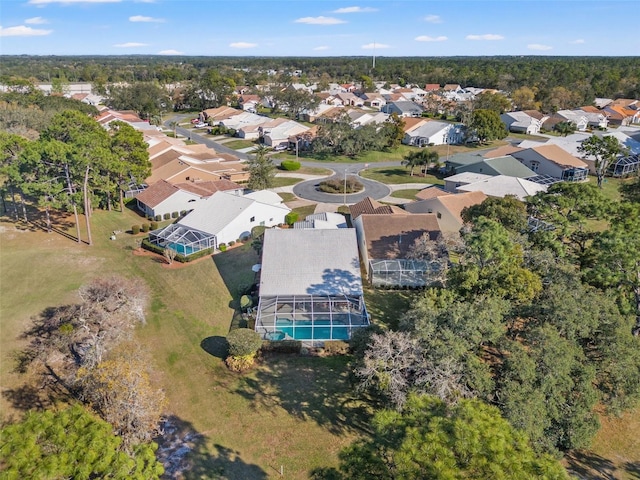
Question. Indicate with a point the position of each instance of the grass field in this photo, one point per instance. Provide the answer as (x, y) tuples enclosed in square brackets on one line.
[(297, 412), (239, 144), (293, 412), (398, 175), (409, 194), (284, 181)]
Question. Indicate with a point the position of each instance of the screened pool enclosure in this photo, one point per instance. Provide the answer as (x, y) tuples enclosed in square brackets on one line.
[(311, 318), (401, 273), (184, 240)]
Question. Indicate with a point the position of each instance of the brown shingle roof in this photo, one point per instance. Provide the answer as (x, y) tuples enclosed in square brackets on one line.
[(502, 151), (411, 123), (373, 207), (559, 156), (456, 203), (157, 193), (431, 192), (395, 234), (206, 189)]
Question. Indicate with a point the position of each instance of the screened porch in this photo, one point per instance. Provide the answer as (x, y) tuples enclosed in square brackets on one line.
[(185, 241), (310, 318)]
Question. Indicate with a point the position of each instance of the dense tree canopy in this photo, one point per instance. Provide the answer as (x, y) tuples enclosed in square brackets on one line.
[(429, 439), (71, 443)]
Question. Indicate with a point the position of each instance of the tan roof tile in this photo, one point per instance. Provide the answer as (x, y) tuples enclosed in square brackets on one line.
[(431, 192), (157, 193), (559, 156)]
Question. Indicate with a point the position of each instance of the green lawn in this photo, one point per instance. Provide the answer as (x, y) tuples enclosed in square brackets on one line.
[(284, 181), (239, 144), (242, 418), (287, 197), (304, 211), (398, 175), (409, 194)]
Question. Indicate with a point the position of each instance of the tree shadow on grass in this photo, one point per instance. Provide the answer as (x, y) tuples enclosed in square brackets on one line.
[(633, 469), (589, 466), (215, 346), (314, 389), (185, 454)]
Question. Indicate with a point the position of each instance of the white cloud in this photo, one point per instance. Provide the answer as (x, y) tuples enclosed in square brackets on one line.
[(433, 19), (36, 21), (170, 52), (22, 31), (578, 41), (243, 45), (486, 36), (141, 18), (427, 38), (537, 46), (355, 10), (131, 45), (45, 2), (371, 46), (320, 20), (321, 47)]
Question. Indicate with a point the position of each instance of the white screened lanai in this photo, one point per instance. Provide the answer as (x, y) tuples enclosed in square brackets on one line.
[(310, 286)]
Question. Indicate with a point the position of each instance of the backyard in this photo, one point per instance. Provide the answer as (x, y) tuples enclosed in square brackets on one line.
[(293, 412)]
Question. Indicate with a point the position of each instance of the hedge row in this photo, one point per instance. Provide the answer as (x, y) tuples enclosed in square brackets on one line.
[(147, 245), (290, 165)]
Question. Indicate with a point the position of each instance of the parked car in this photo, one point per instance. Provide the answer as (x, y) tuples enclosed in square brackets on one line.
[(280, 148), (195, 120), (200, 125)]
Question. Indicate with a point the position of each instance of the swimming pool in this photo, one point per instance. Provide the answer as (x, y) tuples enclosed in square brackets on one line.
[(318, 329), (181, 249)]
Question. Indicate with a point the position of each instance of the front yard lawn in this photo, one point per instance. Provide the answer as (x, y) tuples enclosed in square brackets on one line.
[(398, 175)]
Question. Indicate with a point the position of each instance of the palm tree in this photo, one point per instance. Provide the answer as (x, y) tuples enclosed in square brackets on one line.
[(174, 125), (412, 160), (565, 128)]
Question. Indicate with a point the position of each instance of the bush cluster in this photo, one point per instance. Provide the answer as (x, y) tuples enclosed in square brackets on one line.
[(243, 342), (135, 229), (145, 227), (282, 346), (337, 186), (336, 347), (291, 218), (290, 165), (153, 225)]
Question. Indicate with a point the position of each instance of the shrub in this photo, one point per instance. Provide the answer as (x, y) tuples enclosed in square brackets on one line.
[(222, 247), (282, 346), (336, 347), (158, 218), (246, 238), (153, 225), (183, 213), (231, 132), (232, 243), (243, 341), (135, 229), (291, 218), (337, 186), (290, 165), (145, 227), (241, 364), (174, 214), (167, 216)]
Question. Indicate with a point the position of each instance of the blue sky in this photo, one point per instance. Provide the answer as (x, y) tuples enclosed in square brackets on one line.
[(318, 28)]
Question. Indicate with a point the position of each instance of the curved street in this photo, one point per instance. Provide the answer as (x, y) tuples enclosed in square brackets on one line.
[(309, 191)]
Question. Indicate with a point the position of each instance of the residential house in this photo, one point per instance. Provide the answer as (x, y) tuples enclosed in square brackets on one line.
[(430, 192), (432, 87), (521, 122), (502, 185), (373, 100), (164, 198), (322, 110), (249, 103), (350, 99), (433, 133), (322, 220), (621, 116), (553, 161), (447, 208), (385, 243), (505, 165), (278, 131), (219, 219), (403, 108), (452, 183), (373, 207), (310, 286), (215, 115)]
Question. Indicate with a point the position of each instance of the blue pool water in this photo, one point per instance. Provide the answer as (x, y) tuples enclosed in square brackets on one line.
[(182, 249), (320, 329)]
